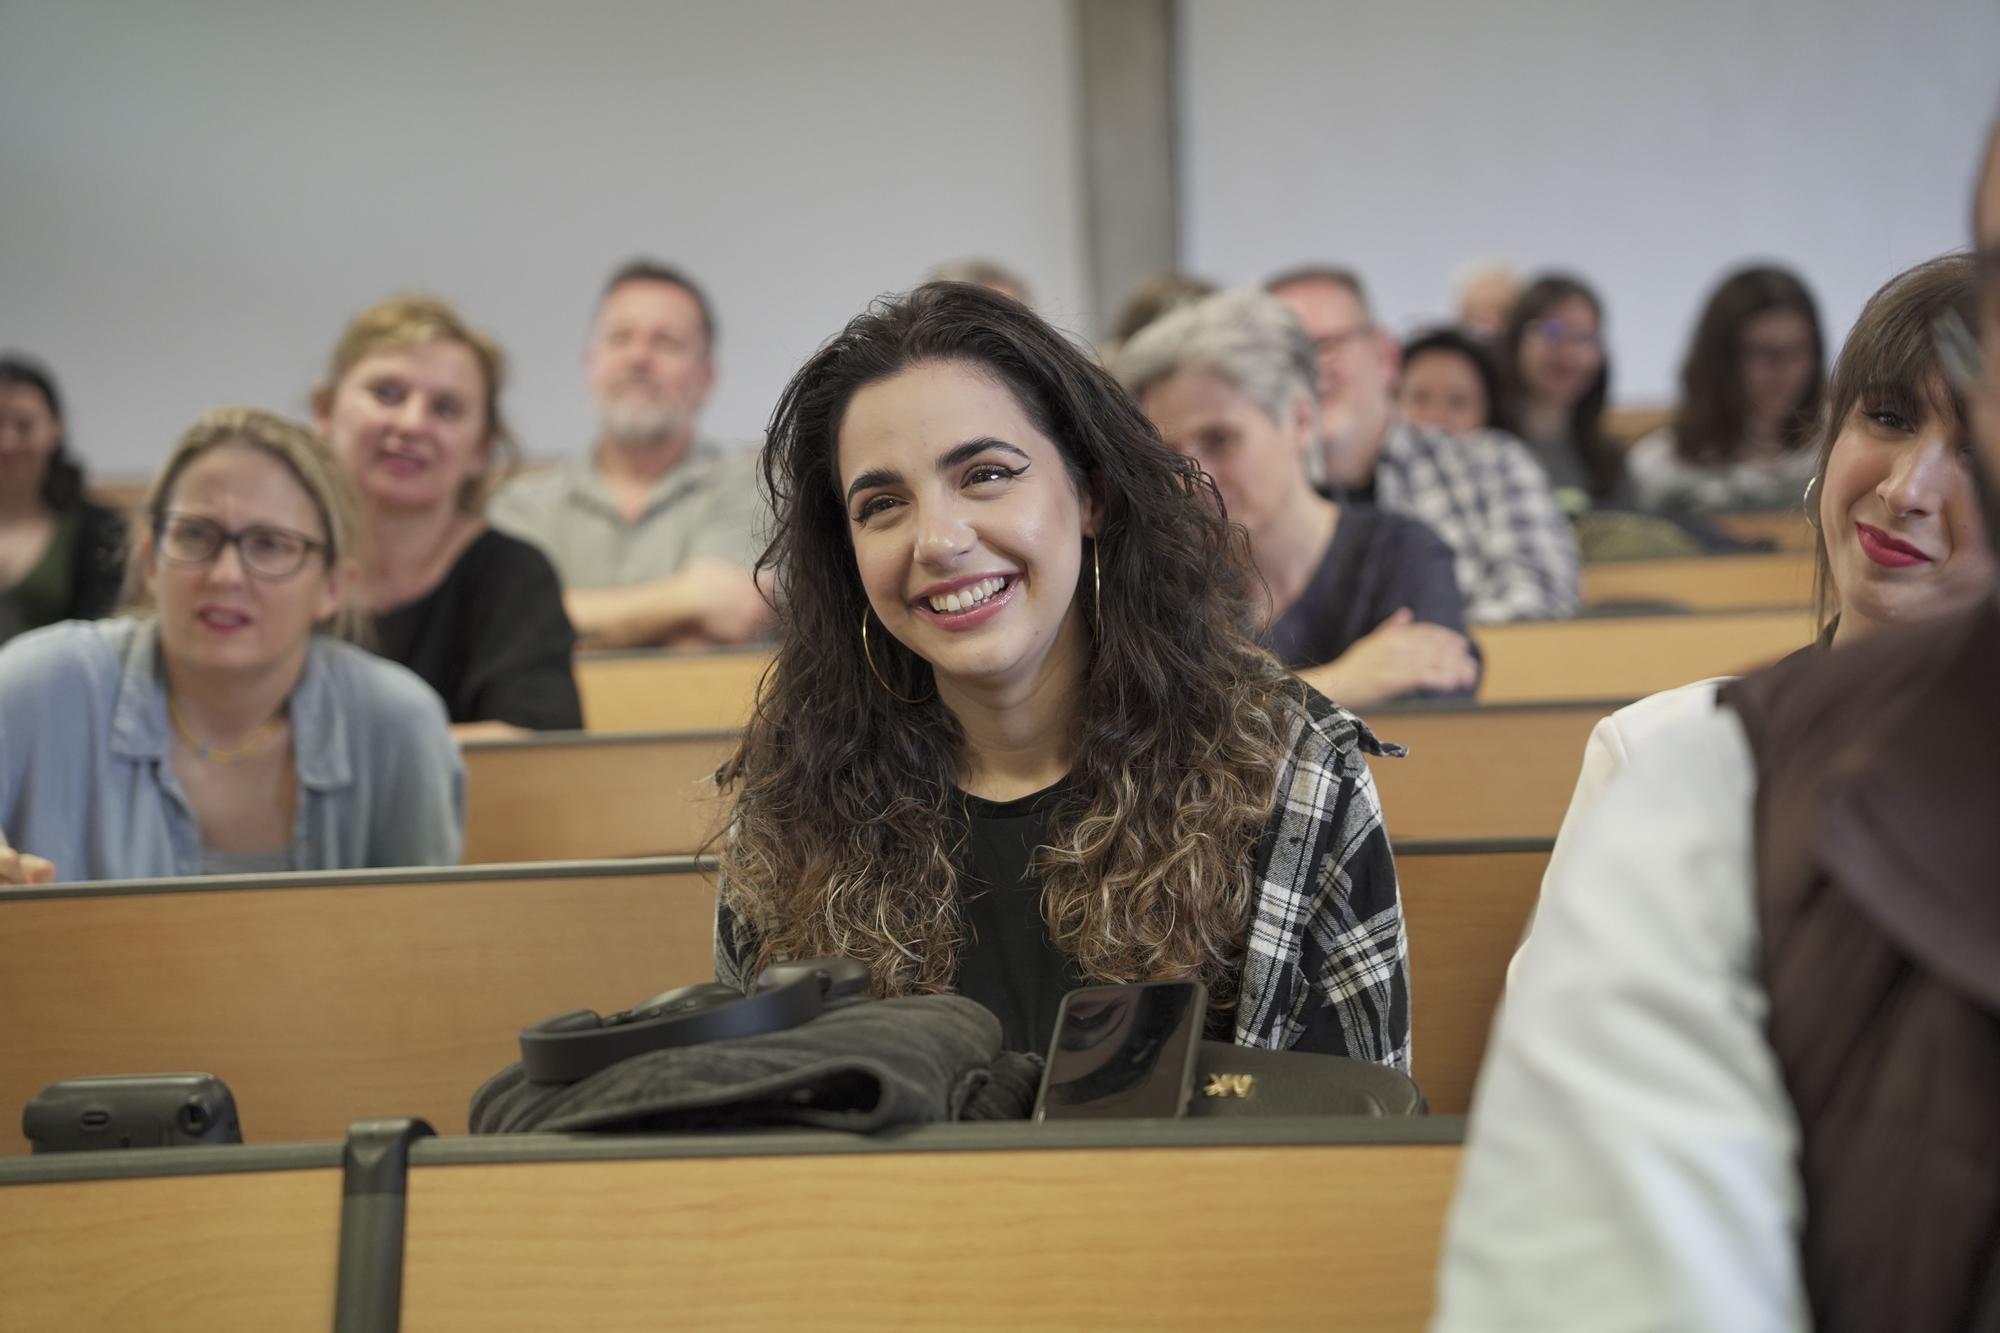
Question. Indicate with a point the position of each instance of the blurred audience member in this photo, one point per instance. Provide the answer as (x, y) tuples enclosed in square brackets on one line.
[(1367, 598), (221, 731), (411, 401), (1448, 382), (1750, 395), (1155, 297), (656, 533), (987, 273), (1484, 294), (1515, 556), (1555, 379), (61, 557)]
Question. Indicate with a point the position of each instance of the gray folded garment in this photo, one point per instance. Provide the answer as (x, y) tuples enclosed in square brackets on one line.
[(862, 1067)]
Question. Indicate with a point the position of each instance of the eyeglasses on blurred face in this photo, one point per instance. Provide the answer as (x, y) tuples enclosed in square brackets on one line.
[(267, 552)]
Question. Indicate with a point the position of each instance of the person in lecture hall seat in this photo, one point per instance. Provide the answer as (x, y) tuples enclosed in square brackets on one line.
[(225, 727), (61, 557), (1018, 735), (1555, 379), (411, 401), (1515, 555), (1448, 382), (655, 533), (1746, 1079), (1888, 462), (1750, 397), (988, 273), (1483, 294), (1361, 603)]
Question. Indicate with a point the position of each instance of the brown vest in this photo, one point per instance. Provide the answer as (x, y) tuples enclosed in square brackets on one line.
[(1878, 902)]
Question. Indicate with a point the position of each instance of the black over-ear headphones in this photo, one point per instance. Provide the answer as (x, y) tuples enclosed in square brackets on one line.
[(573, 1046)]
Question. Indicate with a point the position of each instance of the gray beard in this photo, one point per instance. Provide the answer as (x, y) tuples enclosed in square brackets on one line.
[(635, 422)]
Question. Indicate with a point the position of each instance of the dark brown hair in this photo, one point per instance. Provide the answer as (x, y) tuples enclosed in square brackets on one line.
[(1601, 457), (62, 479), (1891, 363), (842, 836), (1710, 421)]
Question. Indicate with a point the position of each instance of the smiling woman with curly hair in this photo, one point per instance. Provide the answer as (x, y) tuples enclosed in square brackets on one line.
[(1018, 736)]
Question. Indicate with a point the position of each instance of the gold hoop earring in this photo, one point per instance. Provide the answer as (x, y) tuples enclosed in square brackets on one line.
[(1812, 519), (1096, 583), (877, 671)]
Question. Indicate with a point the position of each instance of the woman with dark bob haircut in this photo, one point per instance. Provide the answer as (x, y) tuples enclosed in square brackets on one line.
[(1018, 735)]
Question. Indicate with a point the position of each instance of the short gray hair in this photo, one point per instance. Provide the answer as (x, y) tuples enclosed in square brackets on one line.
[(1247, 339)]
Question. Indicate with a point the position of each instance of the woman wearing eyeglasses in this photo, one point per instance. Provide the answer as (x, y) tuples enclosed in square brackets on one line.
[(226, 729), (1554, 382)]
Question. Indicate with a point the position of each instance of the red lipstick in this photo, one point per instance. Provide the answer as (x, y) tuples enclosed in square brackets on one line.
[(1889, 552)]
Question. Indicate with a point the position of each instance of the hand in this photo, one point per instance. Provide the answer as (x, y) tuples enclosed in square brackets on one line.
[(21, 868), (1402, 655), (727, 602), (709, 602)]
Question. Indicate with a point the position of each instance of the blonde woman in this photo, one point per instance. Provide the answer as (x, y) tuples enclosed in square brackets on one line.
[(227, 728), (411, 403)]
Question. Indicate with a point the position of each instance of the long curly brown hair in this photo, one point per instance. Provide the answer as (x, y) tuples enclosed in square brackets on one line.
[(842, 837)]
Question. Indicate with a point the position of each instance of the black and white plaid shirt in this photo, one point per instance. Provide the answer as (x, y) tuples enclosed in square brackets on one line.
[(1516, 557), (1327, 967)]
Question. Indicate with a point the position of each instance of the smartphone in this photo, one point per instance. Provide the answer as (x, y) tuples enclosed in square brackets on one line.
[(1124, 1052), (132, 1111)]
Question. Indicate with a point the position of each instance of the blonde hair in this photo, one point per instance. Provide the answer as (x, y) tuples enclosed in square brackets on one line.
[(309, 459), (402, 322)]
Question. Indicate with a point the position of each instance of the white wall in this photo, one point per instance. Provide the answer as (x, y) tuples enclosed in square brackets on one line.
[(1648, 144), (196, 194)]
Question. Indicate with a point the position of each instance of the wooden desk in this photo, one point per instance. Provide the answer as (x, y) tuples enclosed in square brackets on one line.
[(1473, 772), (170, 1240), (653, 690), (1491, 771), (1627, 657), (1779, 579), (330, 997), (324, 998), (572, 796), (1787, 527), (1185, 1227), (1465, 906)]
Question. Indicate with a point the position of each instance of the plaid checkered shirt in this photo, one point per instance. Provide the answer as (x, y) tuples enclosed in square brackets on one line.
[(1516, 557), (1327, 966)]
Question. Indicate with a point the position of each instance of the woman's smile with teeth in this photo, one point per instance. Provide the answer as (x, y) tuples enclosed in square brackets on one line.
[(967, 598)]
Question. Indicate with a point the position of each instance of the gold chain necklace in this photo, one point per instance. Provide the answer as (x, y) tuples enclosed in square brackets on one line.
[(215, 754)]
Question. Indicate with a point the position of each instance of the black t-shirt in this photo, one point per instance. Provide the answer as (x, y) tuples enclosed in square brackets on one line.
[(1376, 564), (492, 639), (1007, 961)]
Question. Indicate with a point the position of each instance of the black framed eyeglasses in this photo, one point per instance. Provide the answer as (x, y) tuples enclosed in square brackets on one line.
[(267, 552)]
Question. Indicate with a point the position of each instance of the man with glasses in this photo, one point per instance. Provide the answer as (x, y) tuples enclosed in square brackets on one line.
[(1514, 554), (1749, 1078)]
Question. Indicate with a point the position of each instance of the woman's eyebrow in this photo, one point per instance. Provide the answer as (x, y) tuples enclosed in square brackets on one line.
[(953, 457)]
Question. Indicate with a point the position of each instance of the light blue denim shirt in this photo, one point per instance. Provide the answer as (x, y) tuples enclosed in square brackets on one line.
[(87, 778)]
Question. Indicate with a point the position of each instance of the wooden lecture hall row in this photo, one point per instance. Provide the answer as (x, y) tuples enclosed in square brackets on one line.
[(288, 989), (1183, 1226), (333, 998)]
